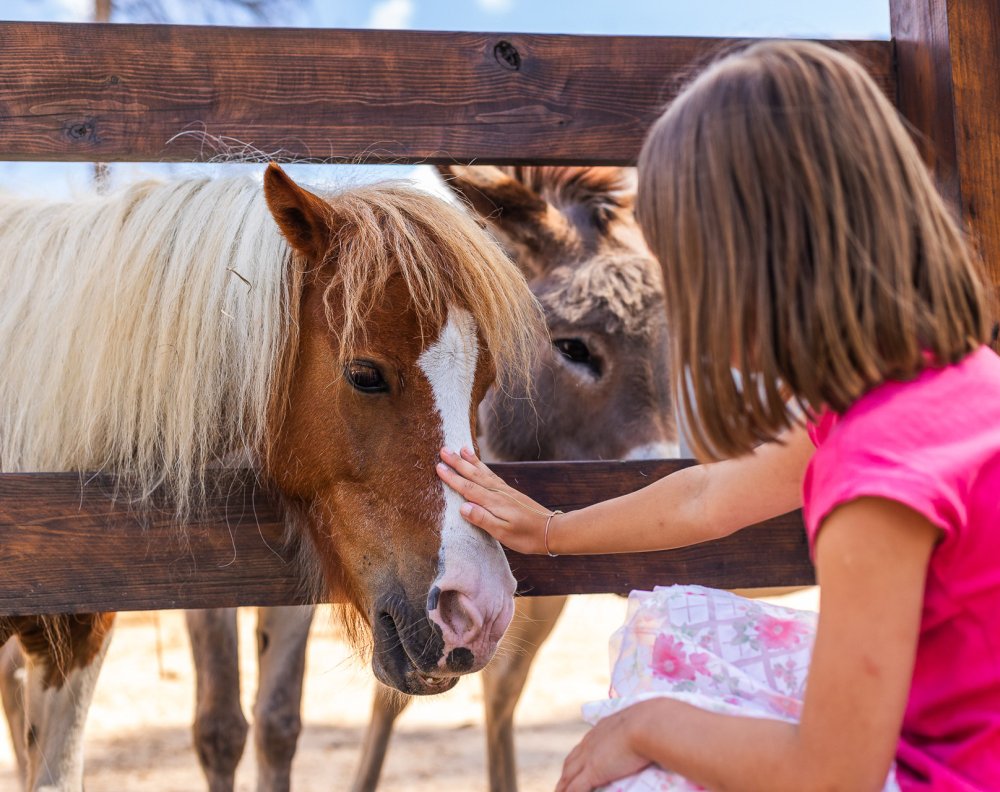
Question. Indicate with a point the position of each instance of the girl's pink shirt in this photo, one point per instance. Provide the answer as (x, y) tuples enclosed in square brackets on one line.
[(933, 444)]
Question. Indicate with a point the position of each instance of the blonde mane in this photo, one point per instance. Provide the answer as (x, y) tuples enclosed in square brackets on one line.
[(148, 332)]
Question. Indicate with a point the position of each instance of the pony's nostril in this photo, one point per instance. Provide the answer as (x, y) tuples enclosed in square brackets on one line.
[(460, 660), (458, 616), (387, 625), (432, 598)]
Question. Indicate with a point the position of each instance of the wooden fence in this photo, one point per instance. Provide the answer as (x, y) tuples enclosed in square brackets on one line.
[(165, 93)]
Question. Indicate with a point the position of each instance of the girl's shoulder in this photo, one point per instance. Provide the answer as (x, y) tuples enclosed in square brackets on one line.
[(939, 404), (923, 442)]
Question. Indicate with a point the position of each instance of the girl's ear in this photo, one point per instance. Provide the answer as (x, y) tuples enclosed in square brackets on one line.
[(506, 204), (304, 218)]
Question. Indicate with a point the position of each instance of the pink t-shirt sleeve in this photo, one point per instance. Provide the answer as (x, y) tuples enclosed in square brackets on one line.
[(842, 479), (872, 459)]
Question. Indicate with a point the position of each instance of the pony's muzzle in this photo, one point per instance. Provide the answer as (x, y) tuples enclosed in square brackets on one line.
[(407, 647), (470, 628)]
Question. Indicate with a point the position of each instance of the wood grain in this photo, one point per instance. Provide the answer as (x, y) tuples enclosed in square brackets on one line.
[(68, 545), (948, 68), (155, 92)]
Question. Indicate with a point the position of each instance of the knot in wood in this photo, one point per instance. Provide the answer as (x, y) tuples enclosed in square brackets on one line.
[(506, 55), (81, 130)]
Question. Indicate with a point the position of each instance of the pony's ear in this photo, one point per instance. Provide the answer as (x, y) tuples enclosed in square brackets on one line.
[(304, 218), (503, 201)]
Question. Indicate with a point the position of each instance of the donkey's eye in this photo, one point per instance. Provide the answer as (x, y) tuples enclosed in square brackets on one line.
[(365, 377), (576, 351)]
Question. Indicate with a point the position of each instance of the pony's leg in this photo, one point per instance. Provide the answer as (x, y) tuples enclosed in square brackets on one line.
[(281, 646), (504, 678), (63, 657), (220, 729), (12, 692), (386, 707)]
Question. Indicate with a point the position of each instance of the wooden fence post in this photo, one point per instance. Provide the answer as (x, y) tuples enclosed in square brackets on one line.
[(948, 78)]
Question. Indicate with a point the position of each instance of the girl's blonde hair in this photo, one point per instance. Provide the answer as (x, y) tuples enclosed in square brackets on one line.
[(803, 244)]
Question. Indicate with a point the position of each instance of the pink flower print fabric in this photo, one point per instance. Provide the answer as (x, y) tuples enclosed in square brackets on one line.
[(713, 650), (671, 662), (775, 633)]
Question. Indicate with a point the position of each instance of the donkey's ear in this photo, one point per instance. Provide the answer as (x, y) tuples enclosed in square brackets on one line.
[(304, 218), (507, 204)]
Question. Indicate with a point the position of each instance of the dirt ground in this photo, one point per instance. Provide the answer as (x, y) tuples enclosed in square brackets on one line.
[(139, 738)]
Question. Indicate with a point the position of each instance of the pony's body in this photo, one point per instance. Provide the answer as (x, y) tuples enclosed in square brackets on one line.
[(599, 391), (333, 343)]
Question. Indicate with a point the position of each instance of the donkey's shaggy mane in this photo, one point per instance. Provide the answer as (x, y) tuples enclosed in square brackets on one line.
[(149, 332), (613, 293), (604, 190)]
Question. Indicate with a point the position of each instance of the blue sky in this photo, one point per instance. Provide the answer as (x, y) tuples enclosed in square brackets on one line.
[(818, 18), (796, 18)]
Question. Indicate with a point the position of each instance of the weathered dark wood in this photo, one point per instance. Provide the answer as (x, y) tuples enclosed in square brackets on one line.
[(769, 554), (66, 545), (125, 92), (948, 69)]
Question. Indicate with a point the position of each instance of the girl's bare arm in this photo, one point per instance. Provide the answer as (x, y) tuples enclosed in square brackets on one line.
[(693, 505)]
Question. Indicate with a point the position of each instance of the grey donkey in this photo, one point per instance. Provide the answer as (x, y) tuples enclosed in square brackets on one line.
[(600, 391)]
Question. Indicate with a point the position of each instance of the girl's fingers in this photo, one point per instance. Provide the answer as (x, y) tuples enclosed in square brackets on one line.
[(470, 466), (463, 485), (470, 456), (483, 518), (570, 770)]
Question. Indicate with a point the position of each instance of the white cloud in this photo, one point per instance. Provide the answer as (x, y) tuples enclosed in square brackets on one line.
[(496, 6), (391, 14)]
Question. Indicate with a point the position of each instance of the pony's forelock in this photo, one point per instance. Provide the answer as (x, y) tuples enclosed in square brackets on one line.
[(391, 229)]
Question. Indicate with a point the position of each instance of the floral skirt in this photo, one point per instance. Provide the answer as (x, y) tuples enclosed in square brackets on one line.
[(713, 650)]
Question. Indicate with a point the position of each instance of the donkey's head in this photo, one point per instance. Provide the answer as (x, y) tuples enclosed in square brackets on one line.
[(405, 311), (601, 385)]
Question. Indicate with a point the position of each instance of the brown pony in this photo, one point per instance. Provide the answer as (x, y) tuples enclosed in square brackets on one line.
[(600, 392), (334, 343)]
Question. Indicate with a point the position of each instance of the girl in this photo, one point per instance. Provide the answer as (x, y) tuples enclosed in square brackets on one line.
[(804, 245)]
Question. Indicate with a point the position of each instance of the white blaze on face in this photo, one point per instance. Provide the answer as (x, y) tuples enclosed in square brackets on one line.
[(472, 597)]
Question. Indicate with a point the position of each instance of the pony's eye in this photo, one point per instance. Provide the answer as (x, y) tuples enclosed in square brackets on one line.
[(365, 377), (576, 351)]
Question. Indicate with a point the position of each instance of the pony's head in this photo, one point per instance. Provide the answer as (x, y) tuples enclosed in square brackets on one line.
[(601, 376), (407, 312)]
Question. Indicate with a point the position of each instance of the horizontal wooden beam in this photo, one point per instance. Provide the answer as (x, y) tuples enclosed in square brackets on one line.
[(68, 545), (156, 92)]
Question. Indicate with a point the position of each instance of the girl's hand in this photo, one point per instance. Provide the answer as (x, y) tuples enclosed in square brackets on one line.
[(606, 753), (511, 517)]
